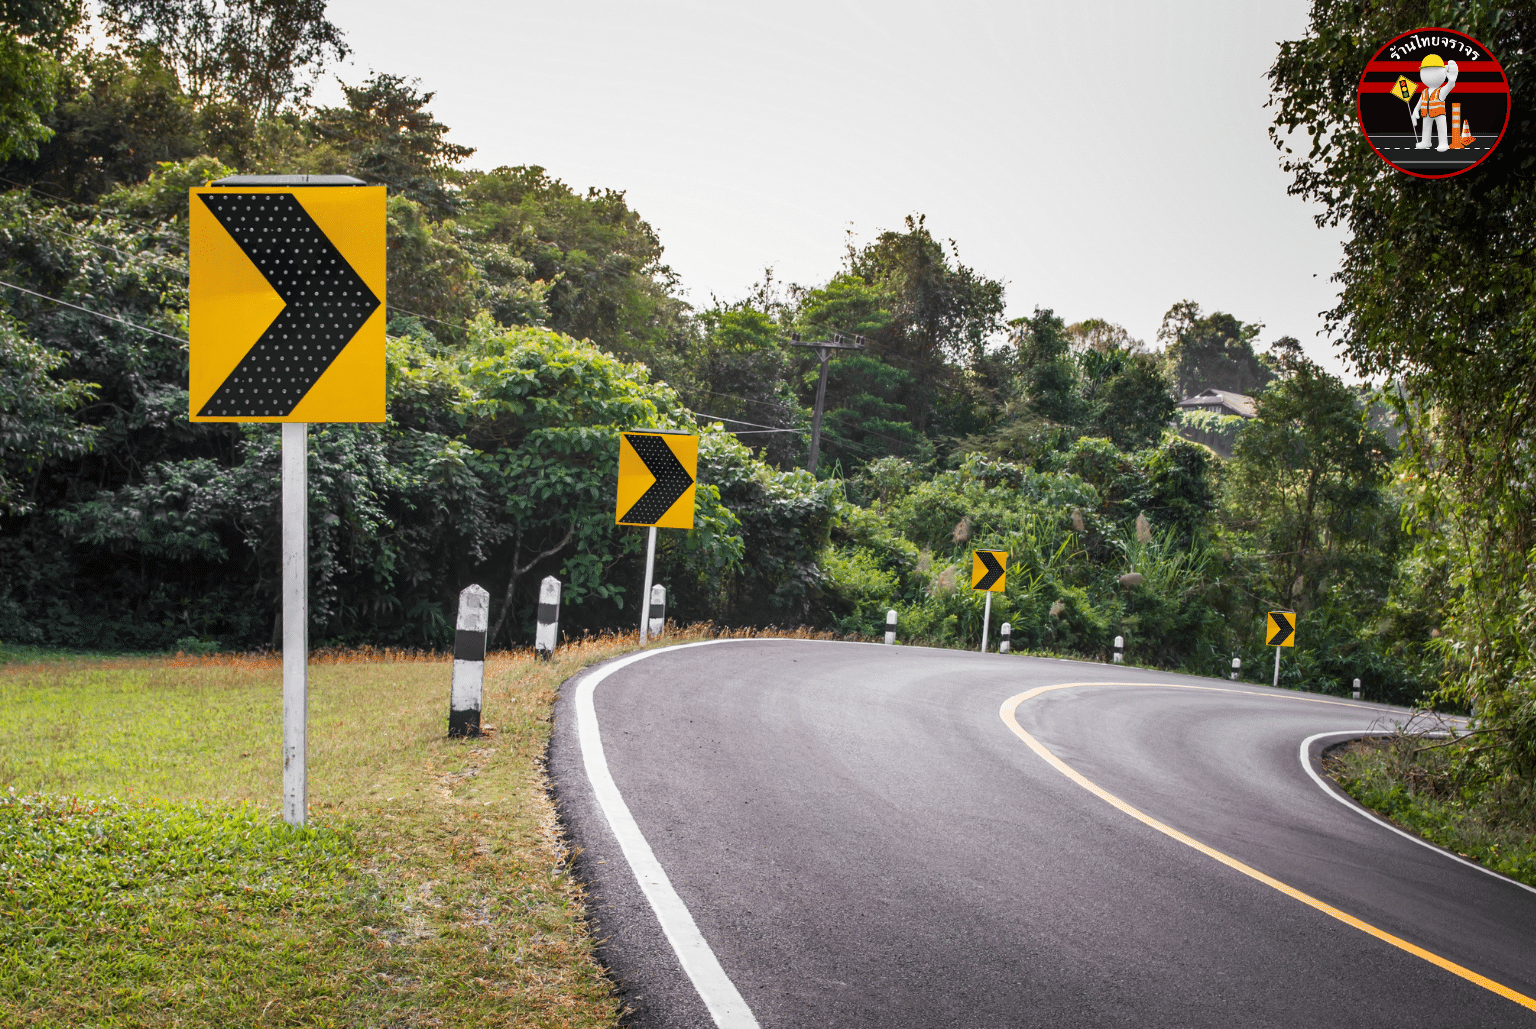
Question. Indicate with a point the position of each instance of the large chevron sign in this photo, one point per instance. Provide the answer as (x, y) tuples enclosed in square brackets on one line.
[(657, 472), (287, 304)]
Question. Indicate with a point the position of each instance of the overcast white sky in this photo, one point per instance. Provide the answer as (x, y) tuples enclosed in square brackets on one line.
[(1105, 158)]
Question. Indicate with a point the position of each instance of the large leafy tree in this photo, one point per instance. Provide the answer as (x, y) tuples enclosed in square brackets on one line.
[(1306, 488), (257, 54), (942, 313), (1211, 351), (33, 34), (1438, 292)]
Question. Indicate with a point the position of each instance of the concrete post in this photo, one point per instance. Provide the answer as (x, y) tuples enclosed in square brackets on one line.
[(1357, 689), (547, 634), (658, 609), (1119, 649), (1004, 638), (468, 662), (1237, 668), (890, 627)]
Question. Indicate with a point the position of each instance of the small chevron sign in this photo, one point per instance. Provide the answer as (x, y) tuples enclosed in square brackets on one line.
[(1280, 629), (657, 478), (989, 570), (287, 304)]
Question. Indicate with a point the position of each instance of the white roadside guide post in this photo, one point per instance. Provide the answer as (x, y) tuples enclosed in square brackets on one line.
[(464, 699), (1357, 689), (1004, 638), (547, 634), (1237, 667), (890, 627), (243, 366), (1119, 649), (658, 472), (658, 609)]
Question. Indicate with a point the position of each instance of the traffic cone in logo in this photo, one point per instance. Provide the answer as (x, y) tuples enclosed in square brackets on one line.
[(1466, 138), (1455, 126)]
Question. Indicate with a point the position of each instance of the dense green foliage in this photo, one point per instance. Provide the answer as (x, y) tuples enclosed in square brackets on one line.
[(528, 321), (1438, 289)]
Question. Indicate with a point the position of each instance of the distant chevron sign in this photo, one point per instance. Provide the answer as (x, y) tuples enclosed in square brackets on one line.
[(1280, 629), (989, 570), (287, 304), (657, 479)]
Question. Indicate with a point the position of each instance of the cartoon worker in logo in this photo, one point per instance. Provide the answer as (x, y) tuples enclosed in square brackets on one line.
[(1439, 79)]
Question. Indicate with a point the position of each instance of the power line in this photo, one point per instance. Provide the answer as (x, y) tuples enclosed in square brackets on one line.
[(98, 314), (739, 421)]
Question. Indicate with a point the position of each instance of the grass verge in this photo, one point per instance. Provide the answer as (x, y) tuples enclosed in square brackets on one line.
[(1423, 785), (146, 879)]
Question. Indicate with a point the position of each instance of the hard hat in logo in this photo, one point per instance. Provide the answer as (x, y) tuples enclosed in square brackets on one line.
[(1432, 61)]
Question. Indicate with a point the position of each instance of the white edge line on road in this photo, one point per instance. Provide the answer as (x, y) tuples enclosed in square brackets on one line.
[(1350, 802), (719, 994)]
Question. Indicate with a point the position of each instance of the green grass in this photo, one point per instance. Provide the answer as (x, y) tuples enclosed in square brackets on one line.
[(146, 880), (1426, 789)]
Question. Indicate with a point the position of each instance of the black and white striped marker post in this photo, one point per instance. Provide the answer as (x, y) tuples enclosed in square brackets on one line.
[(890, 627), (658, 613), (548, 632), (1357, 689), (1005, 638), (1119, 649), (1237, 667), (468, 663)]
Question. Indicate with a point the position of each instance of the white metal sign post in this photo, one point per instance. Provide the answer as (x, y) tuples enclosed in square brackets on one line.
[(645, 594), (295, 622)]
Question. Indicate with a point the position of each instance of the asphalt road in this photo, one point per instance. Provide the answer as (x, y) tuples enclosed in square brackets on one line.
[(862, 840)]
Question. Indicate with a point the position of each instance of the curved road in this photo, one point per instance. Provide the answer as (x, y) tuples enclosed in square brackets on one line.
[(862, 838)]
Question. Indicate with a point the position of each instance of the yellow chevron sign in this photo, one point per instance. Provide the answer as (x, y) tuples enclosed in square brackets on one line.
[(989, 570), (287, 304), (657, 479), (1280, 629)]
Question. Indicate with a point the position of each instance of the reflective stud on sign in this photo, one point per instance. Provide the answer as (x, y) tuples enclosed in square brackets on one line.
[(287, 304)]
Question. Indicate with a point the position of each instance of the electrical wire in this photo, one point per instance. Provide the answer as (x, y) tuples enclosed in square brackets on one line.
[(98, 314)]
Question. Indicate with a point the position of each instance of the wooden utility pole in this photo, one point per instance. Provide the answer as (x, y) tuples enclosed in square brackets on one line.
[(823, 350)]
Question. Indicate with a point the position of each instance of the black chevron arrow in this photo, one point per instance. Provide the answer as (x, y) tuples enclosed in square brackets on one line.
[(672, 479), (994, 570), (1283, 629), (325, 302)]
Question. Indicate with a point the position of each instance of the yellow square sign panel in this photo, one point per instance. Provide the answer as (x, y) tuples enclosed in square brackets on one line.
[(287, 304), (989, 570), (658, 474), (1280, 629)]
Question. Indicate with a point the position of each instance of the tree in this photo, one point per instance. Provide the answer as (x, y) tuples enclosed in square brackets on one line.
[(33, 33), (1305, 485), (386, 135), (942, 314), (258, 54), (601, 259), (1438, 290), (1213, 351), (36, 423)]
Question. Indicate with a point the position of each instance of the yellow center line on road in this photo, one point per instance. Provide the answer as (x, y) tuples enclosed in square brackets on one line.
[(1008, 712)]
